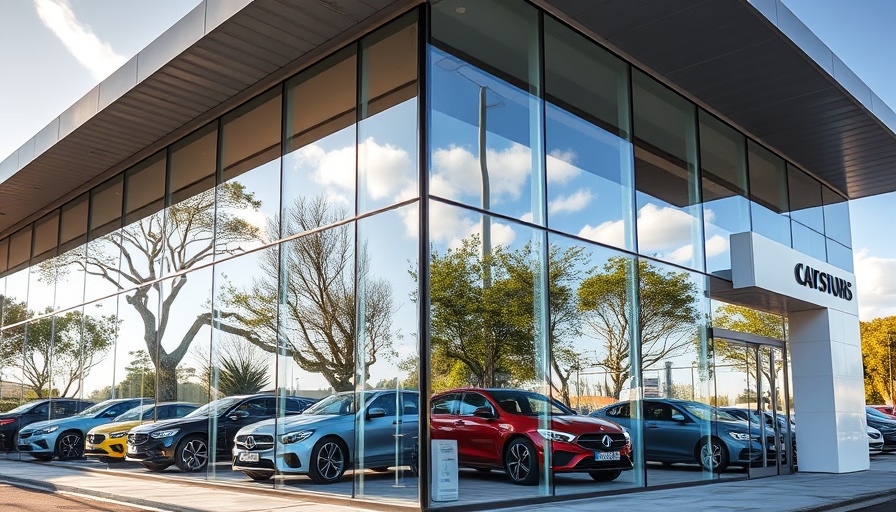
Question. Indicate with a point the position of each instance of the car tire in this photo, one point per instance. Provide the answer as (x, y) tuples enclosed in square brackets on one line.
[(258, 476), (156, 467), (70, 445), (42, 456), (521, 461), (605, 476), (328, 461), (191, 455), (713, 455)]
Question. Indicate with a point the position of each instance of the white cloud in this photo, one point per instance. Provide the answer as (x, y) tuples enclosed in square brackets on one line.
[(683, 254), (328, 168), (610, 233), (716, 245), (95, 55), (662, 228), (561, 167), (450, 226), (456, 172), (876, 284), (527, 217), (572, 203), (386, 168)]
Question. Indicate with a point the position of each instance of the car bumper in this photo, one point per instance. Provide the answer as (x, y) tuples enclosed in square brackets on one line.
[(109, 450), (153, 450), (36, 443), (287, 461)]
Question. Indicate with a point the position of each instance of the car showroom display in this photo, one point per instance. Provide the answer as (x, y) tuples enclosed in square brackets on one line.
[(511, 430), (321, 442), (64, 437), (108, 442), (185, 441)]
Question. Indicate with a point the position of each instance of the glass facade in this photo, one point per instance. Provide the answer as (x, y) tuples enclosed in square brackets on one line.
[(569, 210)]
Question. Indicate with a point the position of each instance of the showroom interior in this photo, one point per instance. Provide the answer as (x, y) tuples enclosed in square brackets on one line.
[(632, 209)]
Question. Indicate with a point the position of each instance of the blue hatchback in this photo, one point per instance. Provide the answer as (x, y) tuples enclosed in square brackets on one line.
[(685, 431)]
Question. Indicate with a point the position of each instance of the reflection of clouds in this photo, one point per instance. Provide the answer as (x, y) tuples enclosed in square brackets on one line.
[(683, 254), (456, 171), (450, 226), (527, 217), (610, 233), (575, 202), (560, 166), (386, 168), (716, 245), (661, 228), (876, 285)]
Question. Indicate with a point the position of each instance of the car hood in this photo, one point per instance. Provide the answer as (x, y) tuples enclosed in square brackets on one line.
[(291, 423), (175, 422), (61, 422), (583, 424), (118, 426)]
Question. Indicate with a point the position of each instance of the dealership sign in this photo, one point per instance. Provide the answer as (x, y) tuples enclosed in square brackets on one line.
[(757, 262)]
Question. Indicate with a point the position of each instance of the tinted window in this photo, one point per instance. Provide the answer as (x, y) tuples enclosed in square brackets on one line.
[(411, 403), (471, 402), (385, 402), (444, 404)]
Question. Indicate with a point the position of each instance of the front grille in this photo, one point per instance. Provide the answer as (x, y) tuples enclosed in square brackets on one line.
[(95, 438), (137, 439), (596, 442), (255, 442), (25, 435)]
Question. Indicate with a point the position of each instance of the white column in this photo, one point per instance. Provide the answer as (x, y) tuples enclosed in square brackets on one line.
[(828, 391)]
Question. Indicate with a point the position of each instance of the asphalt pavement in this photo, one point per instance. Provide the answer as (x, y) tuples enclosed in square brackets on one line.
[(868, 491)]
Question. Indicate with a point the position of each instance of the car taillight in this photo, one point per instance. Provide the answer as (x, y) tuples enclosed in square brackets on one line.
[(7, 421)]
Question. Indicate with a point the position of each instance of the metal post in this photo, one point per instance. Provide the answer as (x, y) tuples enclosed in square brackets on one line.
[(483, 169), (890, 361), (693, 389)]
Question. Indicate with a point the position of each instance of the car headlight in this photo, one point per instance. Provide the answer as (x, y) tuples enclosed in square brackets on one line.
[(47, 430), (118, 435), (740, 436), (295, 437), (164, 433), (556, 435)]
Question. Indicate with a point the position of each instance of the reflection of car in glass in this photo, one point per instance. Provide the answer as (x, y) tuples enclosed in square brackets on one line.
[(685, 431), (185, 441), (511, 429), (39, 410), (885, 424), (756, 417), (64, 437), (320, 442), (886, 409), (875, 440), (108, 442)]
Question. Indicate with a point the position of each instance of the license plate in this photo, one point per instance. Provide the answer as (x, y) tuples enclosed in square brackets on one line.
[(606, 455), (248, 457)]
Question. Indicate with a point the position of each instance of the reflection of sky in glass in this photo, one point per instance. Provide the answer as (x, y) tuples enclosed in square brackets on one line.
[(589, 180), (722, 218), (387, 157), (668, 232)]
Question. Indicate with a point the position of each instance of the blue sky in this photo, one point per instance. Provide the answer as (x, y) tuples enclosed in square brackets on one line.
[(53, 51)]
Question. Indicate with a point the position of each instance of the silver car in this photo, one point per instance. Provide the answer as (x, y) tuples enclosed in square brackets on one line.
[(320, 442), (64, 437)]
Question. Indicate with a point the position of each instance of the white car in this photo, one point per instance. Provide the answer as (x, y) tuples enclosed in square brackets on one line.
[(875, 440)]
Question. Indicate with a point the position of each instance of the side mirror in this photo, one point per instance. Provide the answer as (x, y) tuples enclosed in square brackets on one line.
[(678, 417), (375, 412), (236, 415), (484, 412)]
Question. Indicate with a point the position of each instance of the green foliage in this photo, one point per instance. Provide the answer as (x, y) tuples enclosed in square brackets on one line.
[(242, 369), (879, 359), (752, 321), (667, 314)]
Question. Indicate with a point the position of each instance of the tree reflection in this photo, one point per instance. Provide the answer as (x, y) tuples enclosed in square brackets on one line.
[(318, 326)]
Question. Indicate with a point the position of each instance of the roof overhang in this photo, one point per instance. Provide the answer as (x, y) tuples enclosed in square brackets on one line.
[(730, 56), (215, 57), (756, 65)]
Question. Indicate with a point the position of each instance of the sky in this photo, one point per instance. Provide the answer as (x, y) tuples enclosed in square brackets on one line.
[(52, 52)]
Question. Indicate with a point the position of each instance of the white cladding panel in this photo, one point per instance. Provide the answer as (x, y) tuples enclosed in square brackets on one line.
[(759, 262)]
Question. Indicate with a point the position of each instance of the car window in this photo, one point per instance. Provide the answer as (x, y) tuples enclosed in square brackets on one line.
[(255, 407), (657, 412), (410, 404), (294, 406), (42, 410), (386, 401), (340, 403), (471, 402), (619, 411), (445, 404)]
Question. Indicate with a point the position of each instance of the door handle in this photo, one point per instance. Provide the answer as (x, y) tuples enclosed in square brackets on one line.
[(652, 425)]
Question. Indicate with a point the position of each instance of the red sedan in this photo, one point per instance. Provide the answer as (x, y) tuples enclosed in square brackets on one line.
[(512, 429)]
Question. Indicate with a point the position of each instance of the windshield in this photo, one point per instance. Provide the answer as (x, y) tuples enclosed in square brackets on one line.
[(340, 403), (96, 409), (527, 403), (21, 408), (134, 414), (706, 412), (218, 406)]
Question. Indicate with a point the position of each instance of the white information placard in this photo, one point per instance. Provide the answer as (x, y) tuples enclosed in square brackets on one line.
[(444, 470)]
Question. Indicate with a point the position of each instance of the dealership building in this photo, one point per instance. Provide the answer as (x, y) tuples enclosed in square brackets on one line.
[(373, 194)]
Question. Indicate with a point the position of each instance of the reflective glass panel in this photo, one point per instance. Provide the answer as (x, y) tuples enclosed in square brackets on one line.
[(669, 213), (768, 192), (20, 247), (805, 199), (726, 209), (73, 223), (836, 217), (46, 236), (839, 255), (808, 241), (387, 133), (320, 164)]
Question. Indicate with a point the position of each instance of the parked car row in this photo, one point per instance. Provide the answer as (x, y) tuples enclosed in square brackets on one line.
[(511, 430)]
